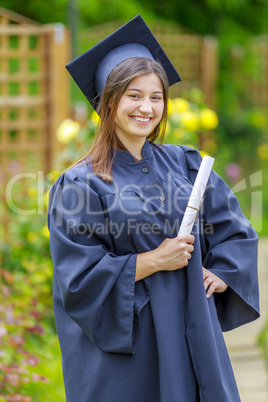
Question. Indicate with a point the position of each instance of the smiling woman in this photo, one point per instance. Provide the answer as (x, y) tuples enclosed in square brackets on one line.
[(139, 111), (137, 88), (140, 311)]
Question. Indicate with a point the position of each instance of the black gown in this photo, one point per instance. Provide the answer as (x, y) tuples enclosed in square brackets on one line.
[(159, 339)]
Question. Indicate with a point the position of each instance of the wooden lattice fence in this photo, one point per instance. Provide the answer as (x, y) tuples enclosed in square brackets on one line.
[(33, 96), (249, 72), (194, 56), (258, 81)]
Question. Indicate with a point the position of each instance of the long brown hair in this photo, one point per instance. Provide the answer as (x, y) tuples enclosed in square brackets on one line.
[(105, 139)]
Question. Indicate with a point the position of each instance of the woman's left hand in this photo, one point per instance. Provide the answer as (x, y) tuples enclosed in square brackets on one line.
[(213, 283)]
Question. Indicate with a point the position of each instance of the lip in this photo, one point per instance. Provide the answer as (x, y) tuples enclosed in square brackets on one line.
[(141, 117)]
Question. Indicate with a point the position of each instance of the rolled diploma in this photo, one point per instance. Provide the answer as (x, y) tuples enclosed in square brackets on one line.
[(196, 196)]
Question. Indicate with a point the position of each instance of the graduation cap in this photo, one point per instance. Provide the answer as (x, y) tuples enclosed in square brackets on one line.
[(134, 39)]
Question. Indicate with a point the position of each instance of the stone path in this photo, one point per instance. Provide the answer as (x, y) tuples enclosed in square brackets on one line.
[(248, 364)]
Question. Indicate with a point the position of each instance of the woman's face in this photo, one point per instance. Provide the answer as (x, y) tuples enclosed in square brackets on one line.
[(140, 109)]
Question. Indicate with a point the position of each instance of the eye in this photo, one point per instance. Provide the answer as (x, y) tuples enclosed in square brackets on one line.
[(134, 96), (157, 98)]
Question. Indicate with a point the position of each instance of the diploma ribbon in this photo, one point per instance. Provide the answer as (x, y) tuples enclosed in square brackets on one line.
[(197, 211)]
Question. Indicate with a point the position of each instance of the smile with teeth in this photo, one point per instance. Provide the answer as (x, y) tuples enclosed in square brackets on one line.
[(141, 119)]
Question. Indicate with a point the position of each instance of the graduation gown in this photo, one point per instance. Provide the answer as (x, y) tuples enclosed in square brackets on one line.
[(159, 339)]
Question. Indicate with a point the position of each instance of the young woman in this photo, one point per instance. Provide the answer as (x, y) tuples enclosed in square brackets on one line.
[(140, 311)]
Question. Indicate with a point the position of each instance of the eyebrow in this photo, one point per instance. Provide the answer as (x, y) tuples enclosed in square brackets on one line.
[(139, 90)]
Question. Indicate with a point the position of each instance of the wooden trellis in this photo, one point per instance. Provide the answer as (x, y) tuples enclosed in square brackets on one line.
[(194, 56), (33, 96), (258, 80)]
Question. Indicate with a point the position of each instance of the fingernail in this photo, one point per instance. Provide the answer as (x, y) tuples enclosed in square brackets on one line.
[(208, 295)]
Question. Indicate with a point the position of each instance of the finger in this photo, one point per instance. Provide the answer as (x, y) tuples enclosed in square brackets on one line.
[(189, 239), (211, 289), (222, 286), (205, 275), (187, 257), (190, 248), (183, 247), (206, 272), (207, 283)]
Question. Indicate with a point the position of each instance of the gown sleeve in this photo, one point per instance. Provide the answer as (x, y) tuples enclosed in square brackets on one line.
[(95, 285), (229, 249)]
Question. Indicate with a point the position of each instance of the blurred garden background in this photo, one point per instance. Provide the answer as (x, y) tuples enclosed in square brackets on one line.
[(220, 49)]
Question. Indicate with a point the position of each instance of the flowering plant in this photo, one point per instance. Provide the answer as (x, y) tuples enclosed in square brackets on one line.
[(192, 123), (29, 351)]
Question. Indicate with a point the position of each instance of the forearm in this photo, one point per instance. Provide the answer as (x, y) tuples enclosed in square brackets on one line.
[(170, 255), (146, 265)]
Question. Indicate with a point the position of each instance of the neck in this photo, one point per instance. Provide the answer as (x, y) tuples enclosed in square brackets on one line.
[(135, 149)]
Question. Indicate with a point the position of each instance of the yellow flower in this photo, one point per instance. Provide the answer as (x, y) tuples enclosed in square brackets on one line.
[(53, 175), (181, 105), (202, 153), (44, 231), (262, 151), (170, 106), (95, 118), (46, 199), (68, 130), (208, 119), (167, 128), (31, 237), (178, 133), (32, 192), (178, 105), (38, 277), (189, 121)]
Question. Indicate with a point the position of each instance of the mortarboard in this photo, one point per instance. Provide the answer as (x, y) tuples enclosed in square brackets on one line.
[(134, 39)]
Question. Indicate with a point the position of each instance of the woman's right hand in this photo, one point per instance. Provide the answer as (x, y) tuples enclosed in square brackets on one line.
[(170, 255), (174, 253)]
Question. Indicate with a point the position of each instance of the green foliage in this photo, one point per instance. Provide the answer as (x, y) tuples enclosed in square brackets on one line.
[(239, 138), (43, 11), (30, 358), (216, 17), (263, 341), (106, 10), (242, 146), (30, 364)]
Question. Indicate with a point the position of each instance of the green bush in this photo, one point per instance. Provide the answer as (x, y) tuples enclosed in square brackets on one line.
[(30, 362)]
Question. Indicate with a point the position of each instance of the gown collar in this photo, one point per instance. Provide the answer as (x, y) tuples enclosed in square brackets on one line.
[(126, 157)]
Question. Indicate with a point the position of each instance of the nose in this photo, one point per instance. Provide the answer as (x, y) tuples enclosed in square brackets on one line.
[(145, 107)]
